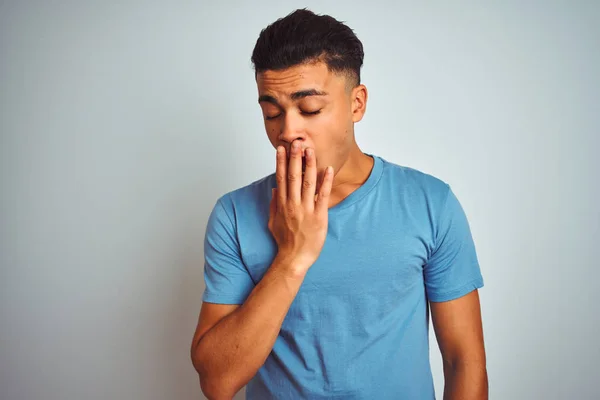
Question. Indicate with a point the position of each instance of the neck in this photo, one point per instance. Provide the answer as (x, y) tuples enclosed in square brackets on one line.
[(351, 175)]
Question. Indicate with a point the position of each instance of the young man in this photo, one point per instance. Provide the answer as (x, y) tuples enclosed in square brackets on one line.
[(319, 277)]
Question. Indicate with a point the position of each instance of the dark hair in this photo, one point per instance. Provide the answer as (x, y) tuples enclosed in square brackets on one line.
[(304, 36)]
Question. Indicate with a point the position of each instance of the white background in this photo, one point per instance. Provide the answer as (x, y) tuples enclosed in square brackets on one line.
[(122, 122)]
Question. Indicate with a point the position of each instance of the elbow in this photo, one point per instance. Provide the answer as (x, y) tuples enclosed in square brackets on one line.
[(210, 390), (465, 361), (215, 390), (475, 370), (451, 367), (218, 387), (214, 387)]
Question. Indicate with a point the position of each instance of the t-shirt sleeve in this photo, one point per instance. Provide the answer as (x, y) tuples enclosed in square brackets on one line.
[(226, 278), (452, 270)]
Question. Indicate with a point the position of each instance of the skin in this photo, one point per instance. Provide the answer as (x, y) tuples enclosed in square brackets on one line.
[(459, 333), (232, 342), (330, 133)]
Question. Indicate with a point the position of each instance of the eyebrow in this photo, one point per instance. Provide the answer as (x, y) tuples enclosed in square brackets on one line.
[(294, 96)]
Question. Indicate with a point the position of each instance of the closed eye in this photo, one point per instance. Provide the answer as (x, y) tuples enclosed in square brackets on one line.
[(311, 112)]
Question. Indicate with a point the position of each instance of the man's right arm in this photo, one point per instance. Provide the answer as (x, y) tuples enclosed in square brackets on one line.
[(228, 354), (228, 350)]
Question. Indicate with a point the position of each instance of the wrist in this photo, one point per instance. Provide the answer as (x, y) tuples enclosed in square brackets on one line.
[(291, 265)]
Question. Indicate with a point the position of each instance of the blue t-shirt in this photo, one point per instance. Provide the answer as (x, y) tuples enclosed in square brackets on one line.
[(358, 327)]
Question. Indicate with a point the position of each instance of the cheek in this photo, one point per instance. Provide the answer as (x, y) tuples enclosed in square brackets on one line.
[(330, 139), (324, 125), (333, 129), (272, 133)]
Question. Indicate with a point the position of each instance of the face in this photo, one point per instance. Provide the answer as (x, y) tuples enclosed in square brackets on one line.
[(313, 105)]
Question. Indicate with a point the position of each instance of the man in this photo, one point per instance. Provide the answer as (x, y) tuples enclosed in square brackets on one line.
[(319, 277)]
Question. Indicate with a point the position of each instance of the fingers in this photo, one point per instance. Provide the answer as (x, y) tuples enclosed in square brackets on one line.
[(310, 180), (281, 175), (292, 186), (272, 209), (322, 204), (273, 204), (295, 174)]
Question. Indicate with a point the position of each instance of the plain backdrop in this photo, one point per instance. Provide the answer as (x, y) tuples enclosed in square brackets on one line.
[(122, 123)]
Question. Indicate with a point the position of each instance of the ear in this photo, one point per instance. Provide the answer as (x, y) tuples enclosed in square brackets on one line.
[(359, 102)]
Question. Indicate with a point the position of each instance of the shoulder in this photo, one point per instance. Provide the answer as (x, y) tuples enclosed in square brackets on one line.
[(249, 197), (416, 184)]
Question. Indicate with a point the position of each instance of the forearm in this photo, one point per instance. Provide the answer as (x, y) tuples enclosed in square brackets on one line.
[(230, 353), (464, 381)]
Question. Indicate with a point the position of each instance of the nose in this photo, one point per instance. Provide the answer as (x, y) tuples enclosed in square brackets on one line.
[(292, 130)]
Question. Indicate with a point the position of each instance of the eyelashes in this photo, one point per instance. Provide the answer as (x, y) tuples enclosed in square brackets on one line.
[(307, 113), (311, 113)]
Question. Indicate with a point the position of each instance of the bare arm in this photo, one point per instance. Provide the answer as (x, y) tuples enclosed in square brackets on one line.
[(232, 343), (459, 332), (229, 354)]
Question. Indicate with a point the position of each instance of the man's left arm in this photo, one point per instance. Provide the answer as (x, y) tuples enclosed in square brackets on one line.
[(458, 329)]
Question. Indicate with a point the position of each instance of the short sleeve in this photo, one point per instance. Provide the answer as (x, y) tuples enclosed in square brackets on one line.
[(226, 278), (452, 270)]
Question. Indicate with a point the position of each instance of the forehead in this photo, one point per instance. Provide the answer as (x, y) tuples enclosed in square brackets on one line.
[(299, 77)]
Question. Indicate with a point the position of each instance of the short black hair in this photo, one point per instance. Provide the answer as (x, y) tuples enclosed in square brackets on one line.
[(303, 37)]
